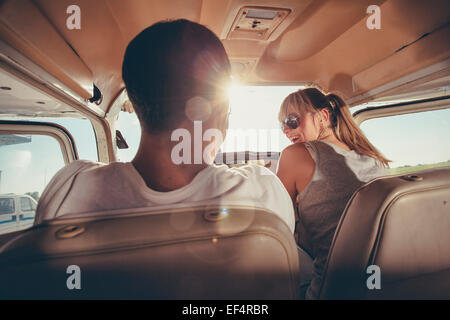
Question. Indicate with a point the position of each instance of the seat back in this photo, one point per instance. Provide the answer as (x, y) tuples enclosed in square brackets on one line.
[(197, 253), (402, 225)]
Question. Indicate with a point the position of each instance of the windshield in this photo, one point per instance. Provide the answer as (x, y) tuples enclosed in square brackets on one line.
[(253, 123)]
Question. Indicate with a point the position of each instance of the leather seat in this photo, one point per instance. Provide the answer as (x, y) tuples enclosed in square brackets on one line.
[(402, 225), (197, 253)]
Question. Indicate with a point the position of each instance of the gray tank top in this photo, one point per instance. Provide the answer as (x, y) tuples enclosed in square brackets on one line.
[(337, 175)]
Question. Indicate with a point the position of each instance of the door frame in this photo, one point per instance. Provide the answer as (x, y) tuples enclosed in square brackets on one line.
[(64, 138)]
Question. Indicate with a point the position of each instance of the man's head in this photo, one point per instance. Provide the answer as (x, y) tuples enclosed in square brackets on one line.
[(174, 71)]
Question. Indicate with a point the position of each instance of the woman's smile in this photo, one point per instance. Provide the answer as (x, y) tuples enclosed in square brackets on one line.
[(295, 138)]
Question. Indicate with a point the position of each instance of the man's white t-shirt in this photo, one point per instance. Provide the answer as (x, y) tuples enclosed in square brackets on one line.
[(86, 188)]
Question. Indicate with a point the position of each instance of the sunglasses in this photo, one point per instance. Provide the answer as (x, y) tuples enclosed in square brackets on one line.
[(291, 121)]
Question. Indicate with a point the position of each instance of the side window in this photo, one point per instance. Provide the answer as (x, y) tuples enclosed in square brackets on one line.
[(25, 204), (27, 164), (83, 134), (6, 205), (81, 130), (128, 124), (413, 142), (33, 205)]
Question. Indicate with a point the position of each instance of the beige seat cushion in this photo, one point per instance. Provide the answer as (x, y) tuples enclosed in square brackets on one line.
[(402, 225), (195, 253)]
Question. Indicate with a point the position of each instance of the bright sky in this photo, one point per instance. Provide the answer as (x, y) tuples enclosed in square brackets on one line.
[(28, 167), (412, 139), (421, 138), (254, 111)]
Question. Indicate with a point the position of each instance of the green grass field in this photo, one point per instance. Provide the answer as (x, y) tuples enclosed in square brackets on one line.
[(408, 169)]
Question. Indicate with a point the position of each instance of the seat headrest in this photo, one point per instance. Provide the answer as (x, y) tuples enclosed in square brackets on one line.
[(194, 253), (400, 224)]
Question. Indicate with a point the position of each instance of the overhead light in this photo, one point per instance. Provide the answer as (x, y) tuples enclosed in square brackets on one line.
[(257, 23), (261, 14)]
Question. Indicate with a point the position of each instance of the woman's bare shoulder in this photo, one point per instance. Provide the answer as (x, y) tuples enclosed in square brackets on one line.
[(296, 158), (297, 165), (295, 152)]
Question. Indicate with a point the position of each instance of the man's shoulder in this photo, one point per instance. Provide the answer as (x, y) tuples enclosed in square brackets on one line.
[(83, 164), (94, 173), (251, 171), (76, 167), (251, 176), (78, 177), (263, 187), (59, 186)]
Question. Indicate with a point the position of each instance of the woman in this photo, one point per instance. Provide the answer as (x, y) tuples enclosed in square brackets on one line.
[(329, 159)]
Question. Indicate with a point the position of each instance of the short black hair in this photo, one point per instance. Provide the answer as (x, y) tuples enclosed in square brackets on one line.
[(167, 64)]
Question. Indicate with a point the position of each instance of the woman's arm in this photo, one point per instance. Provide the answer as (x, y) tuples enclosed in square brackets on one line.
[(295, 169)]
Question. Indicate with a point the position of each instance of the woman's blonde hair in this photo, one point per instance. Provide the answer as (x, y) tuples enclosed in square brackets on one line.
[(343, 125)]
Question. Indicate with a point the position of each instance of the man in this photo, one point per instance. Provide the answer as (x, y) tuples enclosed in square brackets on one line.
[(176, 74)]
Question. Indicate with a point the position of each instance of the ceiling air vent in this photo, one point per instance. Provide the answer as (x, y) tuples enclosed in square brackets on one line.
[(257, 23)]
